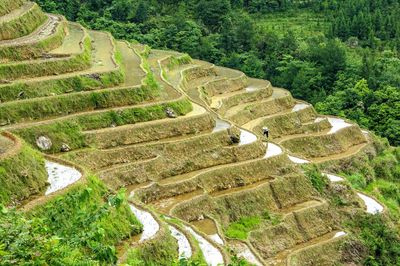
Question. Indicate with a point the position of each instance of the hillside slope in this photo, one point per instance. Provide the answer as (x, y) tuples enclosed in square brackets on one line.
[(183, 137)]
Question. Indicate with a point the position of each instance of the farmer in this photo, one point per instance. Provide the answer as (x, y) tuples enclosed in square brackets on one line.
[(265, 131)]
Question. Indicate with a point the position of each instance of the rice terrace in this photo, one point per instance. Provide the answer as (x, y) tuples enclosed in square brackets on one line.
[(116, 153)]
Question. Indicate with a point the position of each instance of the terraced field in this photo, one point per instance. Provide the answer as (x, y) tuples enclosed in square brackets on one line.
[(183, 136)]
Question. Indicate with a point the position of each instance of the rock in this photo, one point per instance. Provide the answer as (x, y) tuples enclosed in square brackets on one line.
[(65, 147), (94, 76), (201, 217), (235, 138), (4, 123), (170, 112), (44, 143)]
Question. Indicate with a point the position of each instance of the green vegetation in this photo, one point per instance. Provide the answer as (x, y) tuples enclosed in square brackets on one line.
[(179, 60), (163, 250), (80, 227), (318, 181), (241, 228), (376, 242), (70, 130), (292, 43), (380, 177), (21, 175)]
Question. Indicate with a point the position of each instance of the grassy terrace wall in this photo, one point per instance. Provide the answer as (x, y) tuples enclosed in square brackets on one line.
[(70, 129), (224, 85), (175, 162), (244, 97), (47, 107), (230, 207), (45, 88), (264, 108), (97, 159), (325, 145), (296, 228), (293, 123), (26, 51), (38, 68), (198, 72), (22, 25), (22, 173), (8, 5), (326, 253), (220, 179), (66, 84), (152, 131)]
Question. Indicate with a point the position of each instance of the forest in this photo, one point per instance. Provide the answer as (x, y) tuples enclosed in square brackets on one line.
[(342, 56)]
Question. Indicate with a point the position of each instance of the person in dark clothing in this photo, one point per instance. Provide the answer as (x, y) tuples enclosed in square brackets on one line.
[(265, 131)]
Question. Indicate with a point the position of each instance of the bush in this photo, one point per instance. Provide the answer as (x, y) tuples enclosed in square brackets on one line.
[(318, 181), (381, 241)]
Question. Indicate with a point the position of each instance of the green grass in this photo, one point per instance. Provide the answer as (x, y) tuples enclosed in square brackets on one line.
[(80, 227), (179, 60), (22, 175), (318, 181), (241, 228), (162, 250)]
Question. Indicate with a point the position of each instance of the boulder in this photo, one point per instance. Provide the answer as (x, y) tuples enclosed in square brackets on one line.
[(44, 143), (65, 147), (170, 113)]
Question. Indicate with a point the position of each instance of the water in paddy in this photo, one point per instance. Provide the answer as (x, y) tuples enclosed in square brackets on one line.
[(337, 124), (243, 251), (373, 206), (184, 248), (150, 225), (246, 137), (297, 160), (208, 227), (272, 150), (220, 125), (60, 176), (333, 178), (211, 254), (300, 106)]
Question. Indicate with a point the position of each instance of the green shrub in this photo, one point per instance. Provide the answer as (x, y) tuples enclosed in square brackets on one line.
[(241, 228), (381, 240), (162, 250), (319, 181), (90, 218)]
